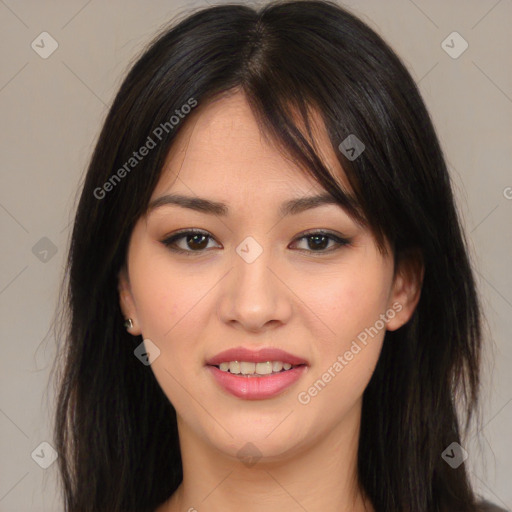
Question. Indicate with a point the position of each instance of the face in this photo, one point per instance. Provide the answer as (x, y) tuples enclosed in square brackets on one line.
[(252, 279)]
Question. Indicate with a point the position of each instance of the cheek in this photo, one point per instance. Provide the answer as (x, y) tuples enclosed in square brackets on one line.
[(170, 308), (346, 359), (350, 302), (164, 295), (347, 302), (174, 306)]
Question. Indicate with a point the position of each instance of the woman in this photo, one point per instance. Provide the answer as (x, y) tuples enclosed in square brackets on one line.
[(271, 302)]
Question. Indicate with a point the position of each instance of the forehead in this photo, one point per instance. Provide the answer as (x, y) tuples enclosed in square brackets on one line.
[(221, 148)]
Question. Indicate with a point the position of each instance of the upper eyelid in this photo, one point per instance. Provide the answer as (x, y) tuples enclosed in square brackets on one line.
[(308, 232)]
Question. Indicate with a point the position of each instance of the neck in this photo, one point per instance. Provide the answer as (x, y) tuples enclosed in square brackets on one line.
[(319, 477)]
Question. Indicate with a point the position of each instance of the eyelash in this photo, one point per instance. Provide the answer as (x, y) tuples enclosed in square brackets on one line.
[(169, 241)]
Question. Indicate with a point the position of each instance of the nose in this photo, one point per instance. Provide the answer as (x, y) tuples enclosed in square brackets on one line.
[(255, 296)]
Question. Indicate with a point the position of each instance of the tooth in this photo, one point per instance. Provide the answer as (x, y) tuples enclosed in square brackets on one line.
[(264, 368), (234, 367), (277, 366), (247, 368)]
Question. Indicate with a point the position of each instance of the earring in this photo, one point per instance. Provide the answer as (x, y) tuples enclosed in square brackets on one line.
[(128, 323)]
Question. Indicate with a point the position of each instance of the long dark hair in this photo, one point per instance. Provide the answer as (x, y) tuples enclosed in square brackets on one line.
[(115, 430)]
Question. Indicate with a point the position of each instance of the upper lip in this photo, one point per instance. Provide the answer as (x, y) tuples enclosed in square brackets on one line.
[(255, 356)]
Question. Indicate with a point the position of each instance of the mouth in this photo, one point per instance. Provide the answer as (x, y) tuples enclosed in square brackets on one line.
[(256, 375), (264, 357)]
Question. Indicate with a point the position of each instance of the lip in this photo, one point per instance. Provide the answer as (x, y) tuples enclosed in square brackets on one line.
[(251, 387), (255, 356), (256, 388)]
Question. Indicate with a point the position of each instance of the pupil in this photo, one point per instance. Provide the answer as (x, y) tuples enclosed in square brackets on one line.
[(316, 238), (192, 237)]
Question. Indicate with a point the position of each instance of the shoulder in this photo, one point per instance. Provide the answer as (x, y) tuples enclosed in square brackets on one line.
[(487, 506)]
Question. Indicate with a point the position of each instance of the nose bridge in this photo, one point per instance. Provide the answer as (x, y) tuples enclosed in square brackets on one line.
[(254, 295), (253, 276)]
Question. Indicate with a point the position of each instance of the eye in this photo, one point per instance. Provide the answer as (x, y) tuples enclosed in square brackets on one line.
[(317, 241), (196, 241)]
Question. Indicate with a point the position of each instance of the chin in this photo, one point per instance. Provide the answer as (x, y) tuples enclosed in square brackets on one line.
[(264, 444)]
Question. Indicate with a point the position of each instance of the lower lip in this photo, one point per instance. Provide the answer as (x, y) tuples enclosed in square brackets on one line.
[(257, 388)]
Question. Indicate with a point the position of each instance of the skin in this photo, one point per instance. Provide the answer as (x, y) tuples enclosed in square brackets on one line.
[(293, 296)]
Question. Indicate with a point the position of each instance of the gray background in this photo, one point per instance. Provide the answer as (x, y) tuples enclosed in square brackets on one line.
[(52, 110)]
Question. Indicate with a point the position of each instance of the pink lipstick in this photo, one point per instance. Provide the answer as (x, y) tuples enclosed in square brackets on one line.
[(256, 374)]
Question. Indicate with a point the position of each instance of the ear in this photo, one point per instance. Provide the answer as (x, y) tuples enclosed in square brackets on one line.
[(406, 291), (126, 301)]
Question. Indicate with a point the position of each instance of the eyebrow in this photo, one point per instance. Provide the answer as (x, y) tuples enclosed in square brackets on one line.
[(290, 207)]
